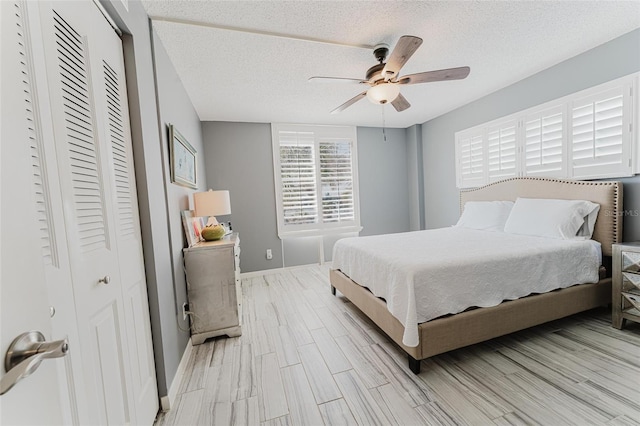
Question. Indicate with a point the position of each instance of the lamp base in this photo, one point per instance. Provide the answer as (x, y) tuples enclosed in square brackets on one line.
[(213, 232)]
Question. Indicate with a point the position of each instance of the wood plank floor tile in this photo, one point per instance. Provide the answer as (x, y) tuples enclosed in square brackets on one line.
[(218, 387), (280, 421), (362, 405), (271, 397), (245, 412), (623, 421), (243, 375), (394, 406), (336, 367), (284, 345), (332, 354), (323, 386), (511, 419), (195, 376), (300, 333), (337, 412), (367, 370), (331, 323), (303, 409), (188, 408), (562, 404), (403, 380), (433, 414), (448, 390)]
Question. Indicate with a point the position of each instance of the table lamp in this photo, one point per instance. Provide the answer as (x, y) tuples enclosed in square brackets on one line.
[(212, 204)]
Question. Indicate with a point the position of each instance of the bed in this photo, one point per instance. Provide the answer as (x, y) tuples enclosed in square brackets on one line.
[(427, 334)]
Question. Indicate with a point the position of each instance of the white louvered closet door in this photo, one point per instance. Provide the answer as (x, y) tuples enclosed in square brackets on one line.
[(84, 64)]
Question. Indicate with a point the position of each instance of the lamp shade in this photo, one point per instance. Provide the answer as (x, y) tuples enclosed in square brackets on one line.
[(383, 93), (211, 203)]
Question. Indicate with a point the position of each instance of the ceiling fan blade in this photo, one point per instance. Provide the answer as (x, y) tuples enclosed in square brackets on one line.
[(336, 80), (439, 75), (407, 45), (349, 102), (400, 103)]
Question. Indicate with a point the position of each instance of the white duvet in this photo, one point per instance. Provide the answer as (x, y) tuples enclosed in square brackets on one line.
[(426, 274)]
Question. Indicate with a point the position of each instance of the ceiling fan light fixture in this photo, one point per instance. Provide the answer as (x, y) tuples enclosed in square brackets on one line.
[(383, 93)]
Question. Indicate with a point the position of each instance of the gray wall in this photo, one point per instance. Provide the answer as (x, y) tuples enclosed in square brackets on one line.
[(416, 177), (609, 61), (158, 201), (238, 157), (175, 107), (384, 181)]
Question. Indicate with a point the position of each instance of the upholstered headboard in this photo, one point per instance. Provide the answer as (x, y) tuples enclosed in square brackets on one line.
[(608, 229)]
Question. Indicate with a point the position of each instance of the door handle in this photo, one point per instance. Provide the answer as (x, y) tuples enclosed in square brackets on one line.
[(25, 354)]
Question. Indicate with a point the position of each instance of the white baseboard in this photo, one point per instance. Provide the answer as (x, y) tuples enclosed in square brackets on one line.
[(277, 270), (166, 402)]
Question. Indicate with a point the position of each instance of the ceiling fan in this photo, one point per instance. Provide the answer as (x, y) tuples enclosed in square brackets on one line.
[(383, 77)]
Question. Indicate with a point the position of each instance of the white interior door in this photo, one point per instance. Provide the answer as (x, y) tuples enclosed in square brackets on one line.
[(107, 67), (83, 209), (23, 294), (85, 71)]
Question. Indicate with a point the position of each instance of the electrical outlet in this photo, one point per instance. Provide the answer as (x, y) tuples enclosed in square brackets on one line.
[(269, 254), (185, 309)]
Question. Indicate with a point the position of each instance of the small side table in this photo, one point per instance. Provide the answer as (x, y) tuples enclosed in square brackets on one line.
[(626, 284)]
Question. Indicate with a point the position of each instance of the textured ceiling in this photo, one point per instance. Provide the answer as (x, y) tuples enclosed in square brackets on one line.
[(238, 67)]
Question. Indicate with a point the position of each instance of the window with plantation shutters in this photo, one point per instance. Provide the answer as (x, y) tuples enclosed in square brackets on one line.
[(586, 135), (544, 147), (470, 154), (316, 179), (501, 151), (600, 134)]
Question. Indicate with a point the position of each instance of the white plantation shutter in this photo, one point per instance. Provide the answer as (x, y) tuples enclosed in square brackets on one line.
[(471, 164), (501, 151), (544, 150), (298, 177), (585, 135), (316, 179), (599, 136), (336, 179)]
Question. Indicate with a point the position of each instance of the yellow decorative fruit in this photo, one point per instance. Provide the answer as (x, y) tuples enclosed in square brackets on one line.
[(213, 233)]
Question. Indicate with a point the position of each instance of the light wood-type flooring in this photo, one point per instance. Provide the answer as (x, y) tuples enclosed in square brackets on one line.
[(308, 358)]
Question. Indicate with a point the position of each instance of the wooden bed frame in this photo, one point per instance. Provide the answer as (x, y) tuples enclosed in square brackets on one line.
[(477, 325)]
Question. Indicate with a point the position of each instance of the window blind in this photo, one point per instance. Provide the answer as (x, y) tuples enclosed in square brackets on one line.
[(316, 179)]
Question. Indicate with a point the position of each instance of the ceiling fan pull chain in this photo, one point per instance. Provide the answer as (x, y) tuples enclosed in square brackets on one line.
[(384, 131)]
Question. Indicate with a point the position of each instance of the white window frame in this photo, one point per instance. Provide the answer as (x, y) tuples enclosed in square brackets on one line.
[(319, 228), (631, 135)]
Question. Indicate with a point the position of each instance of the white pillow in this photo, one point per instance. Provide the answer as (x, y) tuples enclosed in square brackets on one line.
[(552, 218), (485, 215)]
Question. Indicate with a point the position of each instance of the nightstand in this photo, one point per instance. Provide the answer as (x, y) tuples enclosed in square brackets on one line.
[(213, 288), (626, 284)]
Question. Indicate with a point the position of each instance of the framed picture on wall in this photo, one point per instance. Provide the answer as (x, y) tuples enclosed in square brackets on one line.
[(183, 159)]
